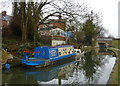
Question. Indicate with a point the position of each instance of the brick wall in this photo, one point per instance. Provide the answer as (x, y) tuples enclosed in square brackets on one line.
[(3, 23)]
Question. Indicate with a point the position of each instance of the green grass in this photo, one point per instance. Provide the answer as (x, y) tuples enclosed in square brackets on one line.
[(116, 44), (119, 68), (115, 76)]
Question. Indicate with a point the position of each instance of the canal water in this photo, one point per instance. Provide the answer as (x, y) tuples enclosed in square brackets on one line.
[(94, 67)]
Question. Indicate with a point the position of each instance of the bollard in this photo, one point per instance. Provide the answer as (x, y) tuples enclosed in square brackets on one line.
[(7, 66)]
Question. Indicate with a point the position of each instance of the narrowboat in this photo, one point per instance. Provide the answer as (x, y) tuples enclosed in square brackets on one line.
[(44, 56)]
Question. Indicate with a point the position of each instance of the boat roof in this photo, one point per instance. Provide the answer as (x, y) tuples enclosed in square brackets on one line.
[(58, 46)]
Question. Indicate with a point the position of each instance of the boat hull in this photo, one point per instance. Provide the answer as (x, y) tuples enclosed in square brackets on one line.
[(51, 63), (44, 56)]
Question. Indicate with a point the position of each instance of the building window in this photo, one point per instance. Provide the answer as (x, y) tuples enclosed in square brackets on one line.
[(51, 25), (44, 26), (42, 33)]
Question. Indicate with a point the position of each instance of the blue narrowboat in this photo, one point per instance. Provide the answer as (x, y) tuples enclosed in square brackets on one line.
[(44, 56)]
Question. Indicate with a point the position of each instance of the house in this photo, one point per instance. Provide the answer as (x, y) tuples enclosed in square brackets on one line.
[(59, 36), (45, 28), (56, 29), (4, 20)]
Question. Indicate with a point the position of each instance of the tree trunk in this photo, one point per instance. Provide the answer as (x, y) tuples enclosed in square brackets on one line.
[(23, 23)]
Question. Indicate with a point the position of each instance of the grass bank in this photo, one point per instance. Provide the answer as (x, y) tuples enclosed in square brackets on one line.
[(115, 75)]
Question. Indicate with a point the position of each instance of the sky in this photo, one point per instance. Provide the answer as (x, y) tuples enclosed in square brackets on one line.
[(107, 8)]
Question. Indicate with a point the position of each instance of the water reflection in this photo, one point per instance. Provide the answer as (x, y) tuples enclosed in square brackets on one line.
[(32, 76), (90, 69), (90, 65)]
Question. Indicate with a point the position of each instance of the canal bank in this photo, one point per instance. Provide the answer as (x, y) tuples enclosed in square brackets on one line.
[(114, 77)]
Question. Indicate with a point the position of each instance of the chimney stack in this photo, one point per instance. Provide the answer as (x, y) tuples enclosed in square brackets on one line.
[(59, 16), (3, 13)]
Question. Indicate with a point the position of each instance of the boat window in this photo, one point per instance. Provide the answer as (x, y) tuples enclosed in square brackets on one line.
[(78, 52), (69, 52), (59, 53)]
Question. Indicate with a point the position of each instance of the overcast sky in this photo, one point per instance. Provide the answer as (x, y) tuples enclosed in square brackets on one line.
[(108, 8)]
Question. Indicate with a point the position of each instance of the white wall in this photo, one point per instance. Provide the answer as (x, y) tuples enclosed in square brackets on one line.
[(57, 42)]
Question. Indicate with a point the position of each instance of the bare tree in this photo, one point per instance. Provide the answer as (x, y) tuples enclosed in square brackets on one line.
[(35, 13), (72, 12)]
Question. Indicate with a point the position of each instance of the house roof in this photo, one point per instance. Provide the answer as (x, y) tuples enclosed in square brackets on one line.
[(104, 38), (54, 21), (57, 29)]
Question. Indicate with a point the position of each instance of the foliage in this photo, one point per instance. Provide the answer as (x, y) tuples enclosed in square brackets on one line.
[(5, 56), (90, 30), (71, 41), (15, 24), (45, 40), (6, 32), (80, 37)]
